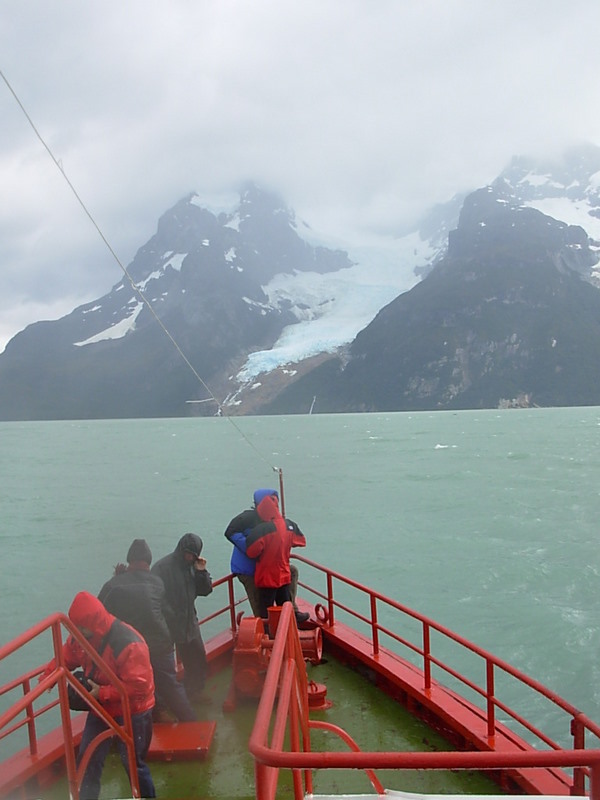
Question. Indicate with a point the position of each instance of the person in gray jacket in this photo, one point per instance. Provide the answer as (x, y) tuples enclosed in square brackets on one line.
[(137, 597), (185, 577)]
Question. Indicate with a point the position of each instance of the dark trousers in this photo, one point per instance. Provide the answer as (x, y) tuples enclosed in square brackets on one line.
[(170, 693), (142, 736), (273, 597), (193, 658), (253, 592)]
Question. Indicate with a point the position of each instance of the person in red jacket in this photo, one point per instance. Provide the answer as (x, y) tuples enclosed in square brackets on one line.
[(126, 653), (270, 544)]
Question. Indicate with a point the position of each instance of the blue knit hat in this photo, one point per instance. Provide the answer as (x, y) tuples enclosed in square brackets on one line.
[(259, 494)]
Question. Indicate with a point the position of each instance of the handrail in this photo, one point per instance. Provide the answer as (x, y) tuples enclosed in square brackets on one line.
[(231, 605), (270, 757), (286, 674), (61, 676), (286, 681), (428, 658)]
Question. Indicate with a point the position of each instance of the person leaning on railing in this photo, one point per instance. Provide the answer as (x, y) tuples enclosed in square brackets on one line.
[(126, 653), (244, 567), (270, 543)]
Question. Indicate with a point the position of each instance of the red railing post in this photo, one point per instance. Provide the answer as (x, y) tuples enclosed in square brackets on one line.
[(65, 716), (260, 781), (294, 720), (595, 781), (231, 604), (427, 655), (330, 598), (578, 733), (29, 713), (490, 699), (374, 630)]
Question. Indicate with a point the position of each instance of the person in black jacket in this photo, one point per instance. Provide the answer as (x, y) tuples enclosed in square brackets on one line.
[(137, 597), (242, 566), (185, 577)]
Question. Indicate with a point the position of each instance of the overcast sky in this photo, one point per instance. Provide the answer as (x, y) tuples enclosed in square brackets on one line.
[(361, 113)]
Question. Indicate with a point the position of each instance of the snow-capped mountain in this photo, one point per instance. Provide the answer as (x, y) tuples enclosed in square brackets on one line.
[(330, 309), (509, 315), (566, 189), (239, 290), (242, 301)]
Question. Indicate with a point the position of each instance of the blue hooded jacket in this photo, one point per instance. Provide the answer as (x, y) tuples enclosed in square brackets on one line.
[(238, 530)]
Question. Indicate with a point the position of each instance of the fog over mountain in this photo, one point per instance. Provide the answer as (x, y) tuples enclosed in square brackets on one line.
[(361, 116), (252, 309)]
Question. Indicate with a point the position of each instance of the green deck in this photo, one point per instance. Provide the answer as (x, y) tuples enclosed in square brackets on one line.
[(374, 720)]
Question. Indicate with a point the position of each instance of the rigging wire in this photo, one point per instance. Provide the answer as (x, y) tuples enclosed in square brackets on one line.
[(135, 288)]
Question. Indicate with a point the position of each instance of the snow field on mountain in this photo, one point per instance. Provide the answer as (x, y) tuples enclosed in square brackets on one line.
[(331, 309)]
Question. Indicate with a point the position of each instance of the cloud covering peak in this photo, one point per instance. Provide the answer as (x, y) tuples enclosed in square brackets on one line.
[(361, 115)]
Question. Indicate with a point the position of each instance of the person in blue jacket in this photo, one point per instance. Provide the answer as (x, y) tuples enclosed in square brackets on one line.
[(242, 566)]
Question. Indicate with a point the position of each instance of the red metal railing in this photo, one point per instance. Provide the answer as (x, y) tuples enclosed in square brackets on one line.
[(61, 677), (286, 681), (286, 670), (231, 605)]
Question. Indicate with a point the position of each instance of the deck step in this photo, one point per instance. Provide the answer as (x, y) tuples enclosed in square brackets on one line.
[(181, 741)]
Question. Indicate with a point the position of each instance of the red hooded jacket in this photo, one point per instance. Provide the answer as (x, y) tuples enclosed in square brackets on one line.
[(270, 543), (123, 649)]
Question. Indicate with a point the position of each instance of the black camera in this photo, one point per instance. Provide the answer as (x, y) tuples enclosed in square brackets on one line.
[(76, 702)]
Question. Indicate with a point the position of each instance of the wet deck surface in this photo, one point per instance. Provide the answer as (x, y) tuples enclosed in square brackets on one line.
[(373, 719)]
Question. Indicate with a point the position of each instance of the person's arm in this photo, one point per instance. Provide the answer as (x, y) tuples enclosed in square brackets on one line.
[(73, 656), (171, 618), (169, 612), (255, 549), (238, 540), (158, 604), (240, 523), (134, 670), (202, 578), (257, 533), (298, 538)]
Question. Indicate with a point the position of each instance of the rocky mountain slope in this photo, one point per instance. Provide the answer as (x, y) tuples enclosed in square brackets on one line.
[(509, 316), (492, 301), (202, 276)]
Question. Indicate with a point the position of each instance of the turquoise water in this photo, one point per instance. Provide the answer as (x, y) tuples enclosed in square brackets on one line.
[(486, 521)]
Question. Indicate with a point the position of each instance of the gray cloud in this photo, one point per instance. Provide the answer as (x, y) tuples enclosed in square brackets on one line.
[(362, 114)]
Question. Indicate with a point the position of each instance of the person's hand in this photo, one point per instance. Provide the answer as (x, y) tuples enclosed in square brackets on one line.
[(95, 688), (200, 564), (47, 670)]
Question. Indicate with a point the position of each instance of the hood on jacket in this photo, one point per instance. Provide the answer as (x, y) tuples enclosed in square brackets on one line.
[(189, 543), (268, 508), (87, 611), (259, 494)]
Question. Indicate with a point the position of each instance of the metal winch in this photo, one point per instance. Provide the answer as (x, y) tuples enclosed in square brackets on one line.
[(252, 653)]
